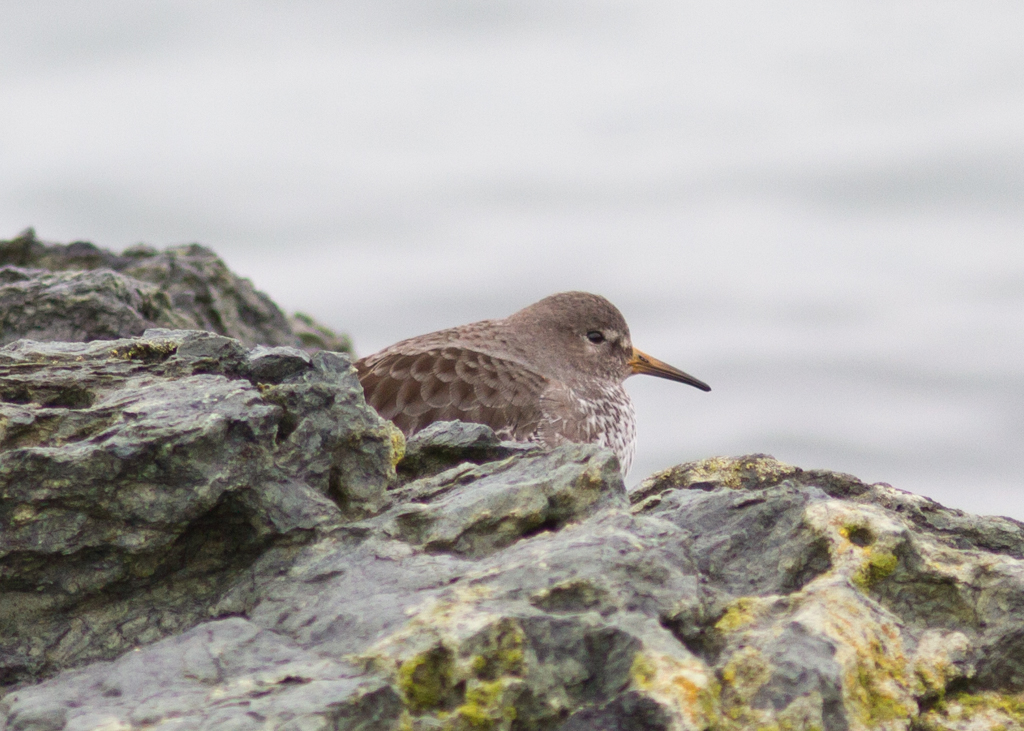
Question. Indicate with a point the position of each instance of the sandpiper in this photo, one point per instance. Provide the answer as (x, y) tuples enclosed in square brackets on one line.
[(551, 373)]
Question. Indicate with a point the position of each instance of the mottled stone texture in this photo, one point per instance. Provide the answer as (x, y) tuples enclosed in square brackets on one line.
[(194, 536), (196, 533), (139, 478), (80, 292)]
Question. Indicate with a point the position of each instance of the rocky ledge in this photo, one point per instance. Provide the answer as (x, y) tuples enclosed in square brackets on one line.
[(200, 534), (79, 292)]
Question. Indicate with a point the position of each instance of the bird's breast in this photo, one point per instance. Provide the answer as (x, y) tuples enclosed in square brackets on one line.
[(607, 418)]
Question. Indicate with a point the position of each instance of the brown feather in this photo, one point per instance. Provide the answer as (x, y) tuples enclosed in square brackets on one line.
[(551, 373), (416, 389)]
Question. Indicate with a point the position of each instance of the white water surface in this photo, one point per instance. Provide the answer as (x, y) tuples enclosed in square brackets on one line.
[(816, 208)]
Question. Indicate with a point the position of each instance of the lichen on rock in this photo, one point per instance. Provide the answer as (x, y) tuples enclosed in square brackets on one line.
[(199, 531), (138, 475)]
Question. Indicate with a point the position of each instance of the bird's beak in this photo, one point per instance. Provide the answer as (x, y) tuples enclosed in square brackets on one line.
[(643, 363)]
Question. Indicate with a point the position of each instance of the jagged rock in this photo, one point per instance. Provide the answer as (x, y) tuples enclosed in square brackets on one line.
[(524, 593), (509, 499), (446, 444), (314, 336), (172, 684), (195, 534), (849, 606), (77, 306), (138, 477), (194, 290)]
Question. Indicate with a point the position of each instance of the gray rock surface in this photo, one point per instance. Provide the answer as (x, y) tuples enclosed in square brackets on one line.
[(199, 536), (137, 477), (202, 533), (439, 446), (80, 292), (79, 306)]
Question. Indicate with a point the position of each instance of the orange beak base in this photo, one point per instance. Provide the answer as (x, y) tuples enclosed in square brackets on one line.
[(643, 363)]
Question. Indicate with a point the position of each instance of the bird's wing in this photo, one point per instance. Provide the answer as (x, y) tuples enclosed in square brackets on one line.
[(414, 389)]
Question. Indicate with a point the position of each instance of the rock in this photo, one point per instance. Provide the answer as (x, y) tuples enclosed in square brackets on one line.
[(202, 288), (507, 500), (85, 299), (525, 593), (78, 306), (273, 365), (196, 533), (314, 336), (848, 605), (227, 658), (445, 444), (138, 477)]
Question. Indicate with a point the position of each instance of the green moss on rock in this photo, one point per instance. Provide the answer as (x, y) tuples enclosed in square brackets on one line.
[(502, 652), (879, 565), (487, 707), (148, 351), (427, 680), (991, 711)]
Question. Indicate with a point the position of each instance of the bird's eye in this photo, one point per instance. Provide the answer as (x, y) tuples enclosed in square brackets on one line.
[(595, 336)]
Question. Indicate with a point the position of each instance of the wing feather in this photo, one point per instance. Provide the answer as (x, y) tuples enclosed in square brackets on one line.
[(450, 383)]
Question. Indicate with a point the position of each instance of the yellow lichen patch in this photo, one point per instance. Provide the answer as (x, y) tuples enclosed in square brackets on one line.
[(857, 533), (145, 350), (745, 672), (863, 540), (742, 676), (878, 565), (738, 472), (573, 594), (767, 469), (983, 711), (933, 662), (592, 478), (878, 683), (475, 593), (686, 687), (501, 652), (454, 664), (433, 623), (714, 469), (642, 671), (743, 612), (397, 443), (877, 686), (878, 704), (427, 680), (488, 706), (23, 513)]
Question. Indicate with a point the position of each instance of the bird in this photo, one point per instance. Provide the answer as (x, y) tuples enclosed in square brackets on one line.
[(551, 373)]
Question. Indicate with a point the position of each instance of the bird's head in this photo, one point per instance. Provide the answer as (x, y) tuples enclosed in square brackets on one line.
[(578, 334)]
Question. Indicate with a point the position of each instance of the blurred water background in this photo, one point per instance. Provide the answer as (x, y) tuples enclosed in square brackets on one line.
[(816, 208)]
